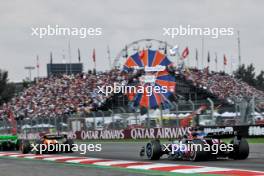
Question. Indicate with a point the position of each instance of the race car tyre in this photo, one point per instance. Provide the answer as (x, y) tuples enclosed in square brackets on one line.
[(25, 147), (6, 146), (18, 143), (38, 143), (241, 149), (198, 153), (70, 142), (2, 147), (153, 150)]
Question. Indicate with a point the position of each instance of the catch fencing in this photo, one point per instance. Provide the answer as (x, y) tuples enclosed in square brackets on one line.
[(240, 113)]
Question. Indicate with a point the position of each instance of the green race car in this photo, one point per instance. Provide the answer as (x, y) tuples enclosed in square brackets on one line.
[(9, 142)]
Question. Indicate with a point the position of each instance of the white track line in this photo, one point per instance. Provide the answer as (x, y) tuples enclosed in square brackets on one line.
[(21, 155), (151, 166), (57, 158), (199, 170), (36, 156), (81, 160), (109, 163)]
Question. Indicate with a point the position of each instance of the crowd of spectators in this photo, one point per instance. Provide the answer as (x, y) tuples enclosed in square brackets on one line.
[(79, 94), (62, 94), (222, 85)]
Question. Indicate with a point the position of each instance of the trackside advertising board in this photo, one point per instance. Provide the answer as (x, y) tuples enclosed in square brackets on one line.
[(158, 133)]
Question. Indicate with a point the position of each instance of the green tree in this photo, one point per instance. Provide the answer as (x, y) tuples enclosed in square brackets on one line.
[(260, 81), (6, 89), (25, 83), (240, 72), (246, 74), (250, 75)]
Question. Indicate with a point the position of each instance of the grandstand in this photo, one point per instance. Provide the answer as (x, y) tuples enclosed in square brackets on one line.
[(78, 94)]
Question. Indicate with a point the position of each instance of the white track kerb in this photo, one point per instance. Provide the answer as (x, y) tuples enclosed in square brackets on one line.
[(139, 165)]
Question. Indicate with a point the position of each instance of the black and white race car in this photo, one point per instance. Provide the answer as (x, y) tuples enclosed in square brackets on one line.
[(197, 149)]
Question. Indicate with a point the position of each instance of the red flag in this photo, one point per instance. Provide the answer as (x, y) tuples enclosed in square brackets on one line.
[(225, 60), (185, 53), (94, 55)]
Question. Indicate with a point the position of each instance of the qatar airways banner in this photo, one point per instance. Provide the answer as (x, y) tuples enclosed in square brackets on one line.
[(137, 133), (167, 133), (158, 133)]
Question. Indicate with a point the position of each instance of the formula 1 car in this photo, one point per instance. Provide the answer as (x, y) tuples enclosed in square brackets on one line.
[(49, 143), (9, 142), (206, 148)]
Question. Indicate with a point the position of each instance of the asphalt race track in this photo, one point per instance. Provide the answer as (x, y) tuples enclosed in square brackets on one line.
[(130, 151), (12, 167), (118, 151)]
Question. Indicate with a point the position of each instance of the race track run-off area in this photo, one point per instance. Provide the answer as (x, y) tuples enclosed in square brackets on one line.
[(155, 168)]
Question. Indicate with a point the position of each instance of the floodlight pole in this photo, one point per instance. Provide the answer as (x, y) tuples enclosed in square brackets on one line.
[(109, 56), (239, 54), (29, 68)]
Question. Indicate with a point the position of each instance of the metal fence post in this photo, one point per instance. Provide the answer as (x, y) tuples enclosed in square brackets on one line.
[(176, 107), (161, 116), (136, 117), (192, 104), (112, 116), (94, 121), (148, 117), (253, 106), (102, 116), (123, 111), (31, 123), (212, 107)]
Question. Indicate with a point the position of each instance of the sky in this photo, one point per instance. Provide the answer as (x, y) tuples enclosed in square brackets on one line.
[(122, 22)]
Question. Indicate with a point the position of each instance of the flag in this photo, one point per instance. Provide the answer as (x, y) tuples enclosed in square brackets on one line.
[(37, 62), (94, 56), (174, 50), (225, 60), (79, 55), (165, 49), (125, 52), (196, 54), (51, 59), (185, 53), (215, 58), (108, 50), (208, 57)]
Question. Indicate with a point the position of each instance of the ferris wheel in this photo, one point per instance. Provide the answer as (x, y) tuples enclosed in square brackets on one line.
[(137, 45), (154, 84)]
